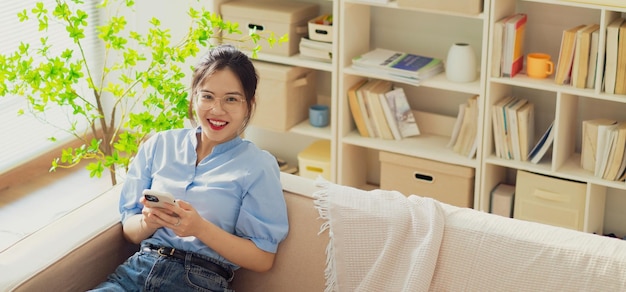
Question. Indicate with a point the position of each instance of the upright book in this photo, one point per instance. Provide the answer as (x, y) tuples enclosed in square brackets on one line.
[(542, 146), (593, 60), (366, 109), (465, 143), (499, 130), (610, 66), (373, 97), (515, 29), (457, 125), (603, 148), (620, 77), (399, 64), (355, 108), (390, 116), (566, 55), (402, 114), (581, 55), (498, 47), (511, 116), (614, 163), (505, 124), (590, 141), (526, 129)]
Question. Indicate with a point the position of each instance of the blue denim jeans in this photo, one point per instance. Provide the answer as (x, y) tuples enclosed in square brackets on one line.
[(146, 270)]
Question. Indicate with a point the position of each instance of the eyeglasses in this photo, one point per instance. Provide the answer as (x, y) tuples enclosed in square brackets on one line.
[(231, 103)]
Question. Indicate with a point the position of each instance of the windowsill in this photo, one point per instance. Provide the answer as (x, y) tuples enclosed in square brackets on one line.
[(31, 197)]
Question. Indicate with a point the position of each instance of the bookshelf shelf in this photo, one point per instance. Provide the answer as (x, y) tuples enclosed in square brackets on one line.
[(438, 81), (427, 146), (361, 26), (288, 144), (548, 84), (394, 5), (567, 105), (304, 128), (365, 26), (297, 60)]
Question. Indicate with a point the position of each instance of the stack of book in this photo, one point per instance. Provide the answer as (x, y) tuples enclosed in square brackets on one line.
[(285, 167), (317, 50), (603, 147), (578, 56), (513, 128), (402, 66), (508, 45), (464, 136), (381, 111)]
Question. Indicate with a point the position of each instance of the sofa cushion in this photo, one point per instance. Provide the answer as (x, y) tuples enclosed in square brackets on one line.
[(487, 252)]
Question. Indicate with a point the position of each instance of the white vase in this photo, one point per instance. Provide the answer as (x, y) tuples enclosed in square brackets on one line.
[(461, 64)]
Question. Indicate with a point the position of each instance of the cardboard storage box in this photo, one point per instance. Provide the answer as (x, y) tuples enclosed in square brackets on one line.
[(320, 31), (549, 200), (460, 6), (279, 17), (315, 160), (284, 94), (447, 183)]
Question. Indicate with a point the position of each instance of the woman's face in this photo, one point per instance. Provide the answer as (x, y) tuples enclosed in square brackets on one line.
[(220, 107)]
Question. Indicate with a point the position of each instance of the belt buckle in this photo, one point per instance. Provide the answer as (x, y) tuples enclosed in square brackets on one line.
[(161, 251)]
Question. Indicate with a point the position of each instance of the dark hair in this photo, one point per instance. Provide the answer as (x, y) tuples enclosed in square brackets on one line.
[(220, 58)]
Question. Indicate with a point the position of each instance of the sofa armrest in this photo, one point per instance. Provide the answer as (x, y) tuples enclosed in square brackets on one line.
[(74, 253), (84, 267), (301, 259)]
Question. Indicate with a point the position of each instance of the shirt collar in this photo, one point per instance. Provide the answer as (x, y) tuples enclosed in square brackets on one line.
[(219, 148)]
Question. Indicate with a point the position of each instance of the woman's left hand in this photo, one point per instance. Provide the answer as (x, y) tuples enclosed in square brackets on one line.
[(187, 222)]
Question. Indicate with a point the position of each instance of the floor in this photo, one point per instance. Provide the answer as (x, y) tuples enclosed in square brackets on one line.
[(30, 206)]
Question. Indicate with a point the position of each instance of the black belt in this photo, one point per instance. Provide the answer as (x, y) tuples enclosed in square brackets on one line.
[(182, 255)]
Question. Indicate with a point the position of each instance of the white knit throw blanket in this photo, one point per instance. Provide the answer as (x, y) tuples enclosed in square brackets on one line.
[(379, 240)]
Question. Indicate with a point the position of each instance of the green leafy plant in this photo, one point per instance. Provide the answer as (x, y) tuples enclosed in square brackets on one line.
[(139, 89)]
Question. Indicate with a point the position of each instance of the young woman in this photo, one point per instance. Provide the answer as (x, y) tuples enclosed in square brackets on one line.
[(231, 212)]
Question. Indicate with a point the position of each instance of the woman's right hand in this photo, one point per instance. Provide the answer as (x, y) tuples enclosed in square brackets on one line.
[(157, 217)]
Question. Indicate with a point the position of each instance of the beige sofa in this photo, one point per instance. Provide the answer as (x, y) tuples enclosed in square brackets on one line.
[(78, 251)]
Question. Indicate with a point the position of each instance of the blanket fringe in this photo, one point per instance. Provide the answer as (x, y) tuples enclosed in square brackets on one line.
[(322, 206)]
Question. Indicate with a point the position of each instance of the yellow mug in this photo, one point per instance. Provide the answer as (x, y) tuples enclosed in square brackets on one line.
[(538, 65)]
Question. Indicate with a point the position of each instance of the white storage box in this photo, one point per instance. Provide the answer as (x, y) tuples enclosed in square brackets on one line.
[(549, 200), (315, 160), (280, 17), (447, 183), (284, 94), (318, 31), (459, 6)]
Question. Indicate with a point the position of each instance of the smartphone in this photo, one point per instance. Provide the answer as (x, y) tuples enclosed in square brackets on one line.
[(158, 199)]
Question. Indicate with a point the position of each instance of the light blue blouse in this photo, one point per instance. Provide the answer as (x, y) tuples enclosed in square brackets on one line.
[(237, 187)]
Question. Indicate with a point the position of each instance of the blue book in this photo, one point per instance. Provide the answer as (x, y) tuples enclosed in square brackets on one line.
[(542, 146), (400, 64)]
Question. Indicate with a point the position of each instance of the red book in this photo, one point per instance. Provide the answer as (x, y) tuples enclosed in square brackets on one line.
[(514, 45)]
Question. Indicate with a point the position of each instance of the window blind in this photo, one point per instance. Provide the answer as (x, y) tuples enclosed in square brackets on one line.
[(23, 138)]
